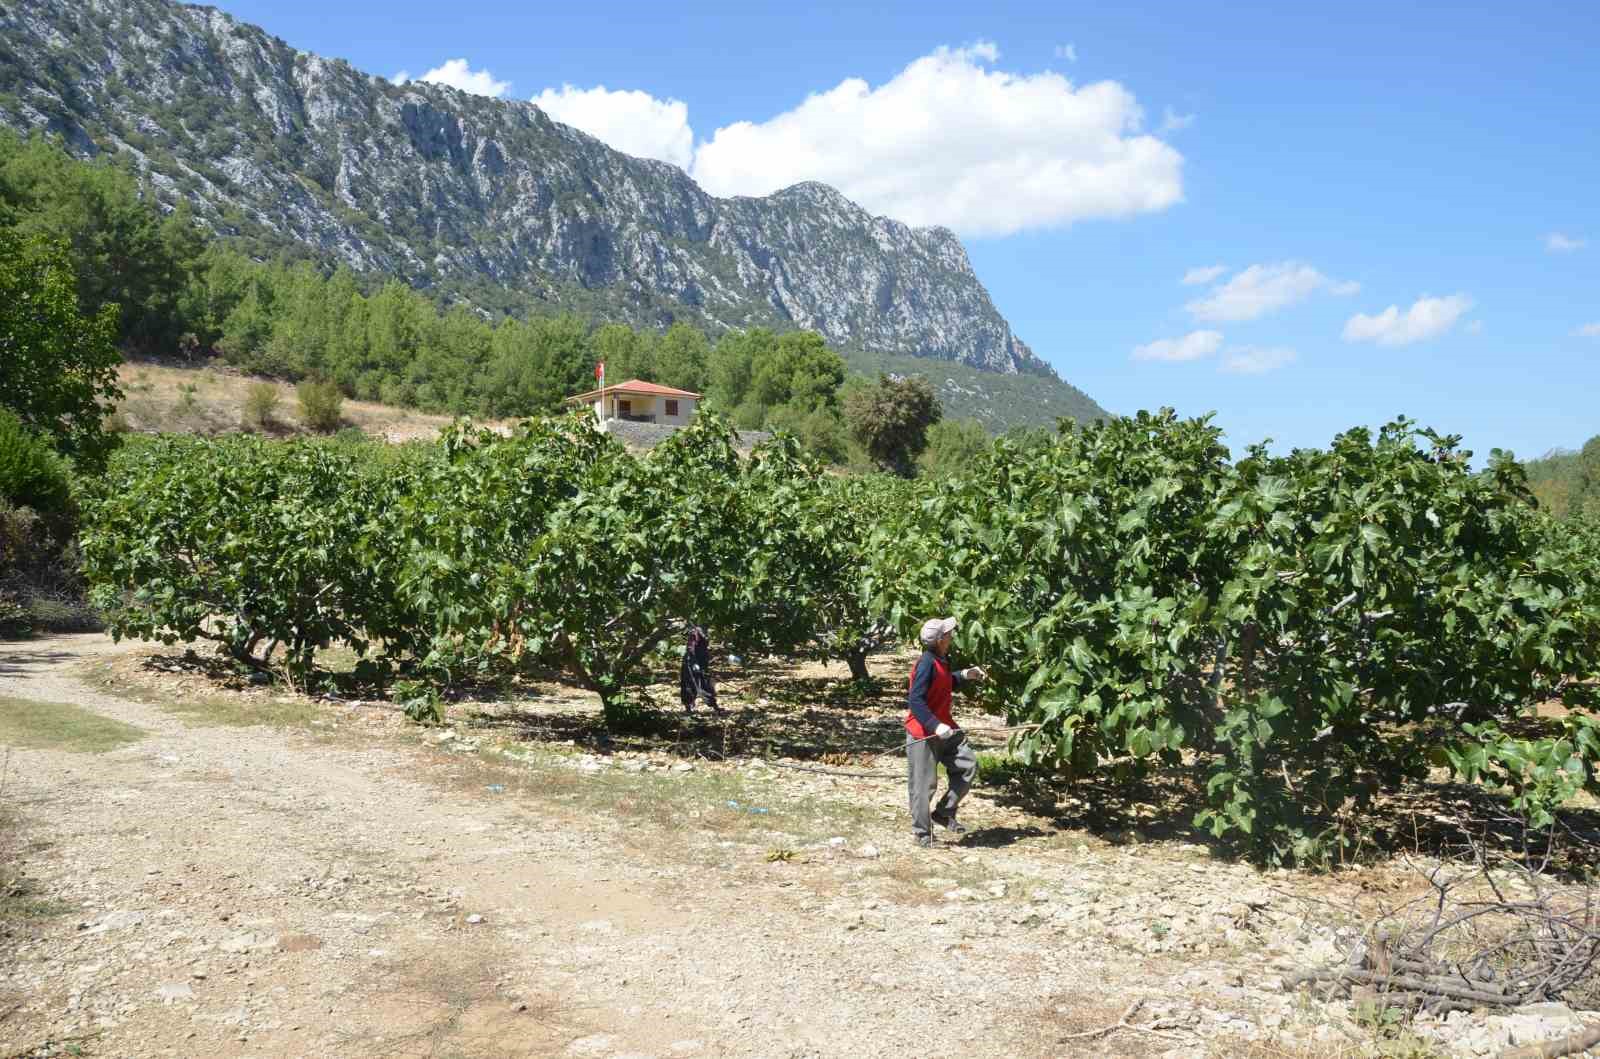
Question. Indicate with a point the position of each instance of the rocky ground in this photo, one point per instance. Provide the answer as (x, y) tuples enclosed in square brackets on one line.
[(337, 882)]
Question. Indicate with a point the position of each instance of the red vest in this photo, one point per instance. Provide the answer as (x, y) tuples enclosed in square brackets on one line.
[(938, 698)]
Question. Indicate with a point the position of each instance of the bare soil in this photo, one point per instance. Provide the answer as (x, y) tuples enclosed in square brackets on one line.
[(211, 400), (333, 881)]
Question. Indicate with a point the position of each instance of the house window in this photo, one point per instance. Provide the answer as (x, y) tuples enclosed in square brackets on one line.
[(625, 408), (672, 408)]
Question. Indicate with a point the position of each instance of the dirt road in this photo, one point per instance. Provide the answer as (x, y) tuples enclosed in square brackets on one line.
[(318, 892)]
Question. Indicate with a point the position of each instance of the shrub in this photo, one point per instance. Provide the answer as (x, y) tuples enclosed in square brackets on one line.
[(260, 402), (15, 621), (31, 474), (321, 405)]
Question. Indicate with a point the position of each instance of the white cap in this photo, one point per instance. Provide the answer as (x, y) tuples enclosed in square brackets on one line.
[(934, 628)]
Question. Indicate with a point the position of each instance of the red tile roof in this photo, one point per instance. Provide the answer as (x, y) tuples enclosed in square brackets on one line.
[(633, 386)]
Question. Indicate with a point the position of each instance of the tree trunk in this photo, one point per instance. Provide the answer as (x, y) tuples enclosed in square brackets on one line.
[(858, 664), (613, 708)]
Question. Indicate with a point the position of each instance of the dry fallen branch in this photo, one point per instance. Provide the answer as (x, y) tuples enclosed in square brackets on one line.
[(1123, 1023), (1492, 936), (1571, 1044)]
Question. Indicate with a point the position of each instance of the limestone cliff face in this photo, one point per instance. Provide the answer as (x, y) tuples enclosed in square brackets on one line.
[(466, 193)]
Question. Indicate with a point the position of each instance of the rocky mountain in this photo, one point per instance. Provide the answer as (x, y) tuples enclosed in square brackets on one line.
[(476, 196)]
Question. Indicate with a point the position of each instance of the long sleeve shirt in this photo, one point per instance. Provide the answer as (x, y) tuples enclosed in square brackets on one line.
[(922, 681)]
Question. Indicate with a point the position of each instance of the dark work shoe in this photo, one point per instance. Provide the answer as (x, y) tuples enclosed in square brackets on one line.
[(925, 841), (949, 823)]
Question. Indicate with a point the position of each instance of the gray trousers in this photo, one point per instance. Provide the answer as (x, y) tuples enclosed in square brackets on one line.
[(961, 765)]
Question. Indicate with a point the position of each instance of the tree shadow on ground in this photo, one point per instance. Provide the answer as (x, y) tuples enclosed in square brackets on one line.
[(18, 656), (1444, 820), (768, 712), (804, 734)]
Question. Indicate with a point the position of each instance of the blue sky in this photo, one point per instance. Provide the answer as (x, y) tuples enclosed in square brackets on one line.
[(1337, 161)]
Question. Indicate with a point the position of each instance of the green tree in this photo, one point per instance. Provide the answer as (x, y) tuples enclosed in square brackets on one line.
[(644, 548), (58, 365), (123, 251), (536, 364), (31, 474), (806, 581), (953, 446), (254, 545), (680, 358), (628, 354), (891, 420), (730, 366)]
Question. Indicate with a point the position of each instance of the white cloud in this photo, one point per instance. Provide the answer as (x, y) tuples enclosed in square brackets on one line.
[(1203, 274), (1589, 330), (1261, 289), (1172, 121), (1427, 318), (1560, 243), (631, 121), (457, 74), (1250, 360), (1068, 52), (401, 78), (948, 141), (1192, 346)]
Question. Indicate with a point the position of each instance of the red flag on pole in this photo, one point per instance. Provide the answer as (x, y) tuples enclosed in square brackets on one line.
[(600, 372)]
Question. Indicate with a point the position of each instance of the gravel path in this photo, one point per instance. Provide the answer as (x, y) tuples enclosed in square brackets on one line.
[(257, 891)]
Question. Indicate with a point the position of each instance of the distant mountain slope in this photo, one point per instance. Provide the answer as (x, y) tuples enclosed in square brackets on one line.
[(473, 196)]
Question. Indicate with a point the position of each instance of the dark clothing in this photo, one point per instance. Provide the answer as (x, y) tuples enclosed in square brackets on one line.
[(928, 700), (694, 675), (923, 758)]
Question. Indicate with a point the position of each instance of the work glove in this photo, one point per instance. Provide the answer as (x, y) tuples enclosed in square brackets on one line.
[(943, 730), (973, 673)]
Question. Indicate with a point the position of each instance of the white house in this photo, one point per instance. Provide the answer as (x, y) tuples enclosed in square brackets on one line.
[(639, 402)]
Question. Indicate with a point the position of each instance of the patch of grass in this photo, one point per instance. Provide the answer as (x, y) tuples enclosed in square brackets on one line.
[(20, 901), (724, 803), (61, 726), (225, 711), (997, 770), (208, 709)]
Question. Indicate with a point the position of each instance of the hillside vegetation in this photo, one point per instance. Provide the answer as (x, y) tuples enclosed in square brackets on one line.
[(1566, 482)]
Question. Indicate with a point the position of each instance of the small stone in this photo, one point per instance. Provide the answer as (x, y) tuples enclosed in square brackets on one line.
[(837, 842), (683, 766), (170, 991), (237, 943), (869, 851), (299, 943), (474, 919)]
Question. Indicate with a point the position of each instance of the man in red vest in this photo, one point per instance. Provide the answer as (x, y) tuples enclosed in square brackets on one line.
[(932, 736)]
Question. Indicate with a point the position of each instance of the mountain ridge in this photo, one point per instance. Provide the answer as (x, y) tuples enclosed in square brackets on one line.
[(278, 147)]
